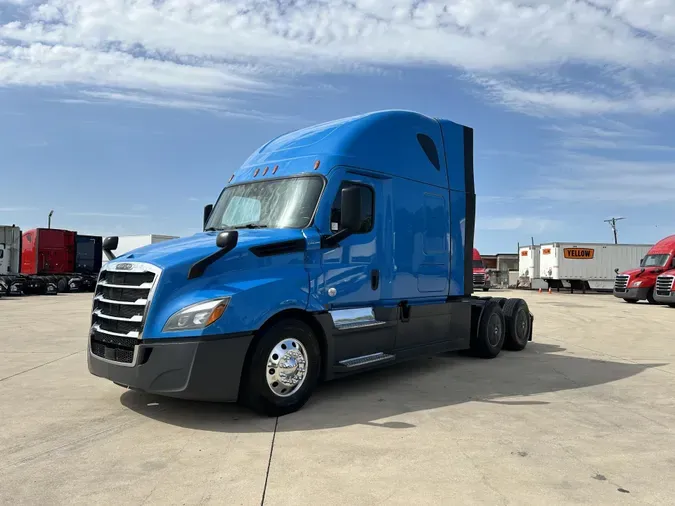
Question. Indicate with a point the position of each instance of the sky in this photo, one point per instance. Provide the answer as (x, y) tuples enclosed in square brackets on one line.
[(128, 116)]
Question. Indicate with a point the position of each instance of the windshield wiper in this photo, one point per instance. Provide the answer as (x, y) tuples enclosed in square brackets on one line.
[(212, 229), (250, 225)]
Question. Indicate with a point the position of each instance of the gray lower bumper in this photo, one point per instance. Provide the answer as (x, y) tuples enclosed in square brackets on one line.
[(664, 297), (207, 370), (632, 294)]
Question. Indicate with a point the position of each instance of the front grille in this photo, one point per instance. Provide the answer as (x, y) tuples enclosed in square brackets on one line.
[(123, 294), (127, 278), (120, 304), (664, 285), (621, 283), (115, 348), (479, 279)]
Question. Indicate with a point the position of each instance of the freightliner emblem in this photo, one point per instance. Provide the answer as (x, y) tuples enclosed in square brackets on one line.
[(124, 267)]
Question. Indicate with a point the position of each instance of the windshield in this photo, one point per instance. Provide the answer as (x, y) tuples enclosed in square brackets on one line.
[(655, 260), (281, 203), (477, 264)]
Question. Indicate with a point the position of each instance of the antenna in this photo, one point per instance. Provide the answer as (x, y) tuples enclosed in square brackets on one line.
[(612, 223)]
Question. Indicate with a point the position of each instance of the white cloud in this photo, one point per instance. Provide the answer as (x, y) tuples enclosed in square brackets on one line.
[(530, 224), (596, 179), (16, 209), (607, 135), (140, 48), (108, 215)]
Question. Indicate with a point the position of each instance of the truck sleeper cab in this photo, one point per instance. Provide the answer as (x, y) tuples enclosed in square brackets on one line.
[(334, 249), (641, 284), (481, 278)]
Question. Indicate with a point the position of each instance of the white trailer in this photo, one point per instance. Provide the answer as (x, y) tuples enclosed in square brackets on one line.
[(529, 275), (583, 266), (129, 243)]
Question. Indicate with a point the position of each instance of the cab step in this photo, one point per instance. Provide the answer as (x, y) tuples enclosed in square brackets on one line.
[(365, 360)]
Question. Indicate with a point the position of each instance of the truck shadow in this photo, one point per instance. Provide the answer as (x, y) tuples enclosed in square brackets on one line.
[(419, 385)]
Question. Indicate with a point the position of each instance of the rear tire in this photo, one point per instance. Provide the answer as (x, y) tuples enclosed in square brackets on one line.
[(62, 285), (287, 352), (517, 318), (488, 339)]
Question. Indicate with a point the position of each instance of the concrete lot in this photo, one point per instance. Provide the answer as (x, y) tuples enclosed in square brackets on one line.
[(585, 415)]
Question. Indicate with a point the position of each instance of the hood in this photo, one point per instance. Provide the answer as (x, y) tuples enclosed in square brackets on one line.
[(478, 270), (648, 271), (187, 250)]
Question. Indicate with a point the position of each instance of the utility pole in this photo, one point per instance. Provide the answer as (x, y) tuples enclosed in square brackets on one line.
[(612, 223), (49, 219)]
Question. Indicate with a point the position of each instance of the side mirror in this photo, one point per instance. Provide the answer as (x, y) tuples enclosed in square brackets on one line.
[(352, 214), (227, 239), (642, 262), (616, 271), (109, 245), (207, 213)]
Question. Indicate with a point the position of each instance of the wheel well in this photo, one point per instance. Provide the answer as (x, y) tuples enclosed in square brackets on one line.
[(287, 314)]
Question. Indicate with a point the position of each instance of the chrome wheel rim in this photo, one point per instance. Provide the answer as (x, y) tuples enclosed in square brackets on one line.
[(286, 367)]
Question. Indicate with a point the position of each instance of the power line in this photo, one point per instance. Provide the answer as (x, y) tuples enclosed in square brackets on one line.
[(612, 223)]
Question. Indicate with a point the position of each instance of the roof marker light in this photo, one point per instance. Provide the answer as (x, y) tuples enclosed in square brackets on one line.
[(276, 167), (265, 171), (231, 178), (256, 172), (316, 164)]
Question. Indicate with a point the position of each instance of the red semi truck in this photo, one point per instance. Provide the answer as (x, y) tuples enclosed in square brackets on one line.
[(481, 279), (48, 261), (641, 283)]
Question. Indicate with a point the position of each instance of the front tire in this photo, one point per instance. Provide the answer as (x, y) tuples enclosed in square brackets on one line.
[(650, 296), (488, 339), (283, 369)]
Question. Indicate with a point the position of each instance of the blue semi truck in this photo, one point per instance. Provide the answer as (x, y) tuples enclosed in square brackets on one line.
[(334, 249)]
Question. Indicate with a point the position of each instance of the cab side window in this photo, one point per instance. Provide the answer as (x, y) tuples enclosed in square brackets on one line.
[(367, 204)]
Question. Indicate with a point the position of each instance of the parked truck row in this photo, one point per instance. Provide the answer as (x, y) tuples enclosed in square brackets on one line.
[(47, 261), (651, 278)]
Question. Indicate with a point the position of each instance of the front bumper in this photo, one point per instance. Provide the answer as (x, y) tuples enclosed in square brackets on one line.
[(632, 293), (664, 297), (197, 369)]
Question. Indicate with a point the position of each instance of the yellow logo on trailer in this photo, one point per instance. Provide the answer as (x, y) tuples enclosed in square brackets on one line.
[(579, 253)]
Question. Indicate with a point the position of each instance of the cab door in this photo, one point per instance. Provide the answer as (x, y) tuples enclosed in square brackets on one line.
[(351, 274)]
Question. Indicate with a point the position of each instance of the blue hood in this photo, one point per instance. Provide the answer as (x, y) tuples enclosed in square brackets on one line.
[(188, 250)]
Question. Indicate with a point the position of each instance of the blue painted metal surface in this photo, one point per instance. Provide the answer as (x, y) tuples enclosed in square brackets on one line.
[(416, 245)]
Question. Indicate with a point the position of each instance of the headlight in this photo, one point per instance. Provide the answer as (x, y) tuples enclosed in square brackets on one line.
[(197, 316), (637, 283)]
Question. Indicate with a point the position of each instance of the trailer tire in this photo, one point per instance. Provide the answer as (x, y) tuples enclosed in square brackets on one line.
[(517, 318), (488, 339), (263, 388)]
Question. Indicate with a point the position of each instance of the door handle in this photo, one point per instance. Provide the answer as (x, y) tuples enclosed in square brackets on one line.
[(374, 279)]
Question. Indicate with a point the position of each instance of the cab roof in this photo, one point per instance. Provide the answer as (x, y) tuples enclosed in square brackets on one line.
[(392, 142)]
